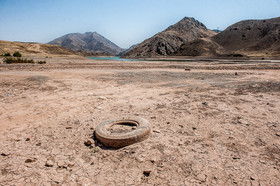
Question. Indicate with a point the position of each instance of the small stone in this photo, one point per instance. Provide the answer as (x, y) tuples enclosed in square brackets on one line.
[(29, 161), (90, 94), (49, 163), (4, 154), (68, 127), (236, 73), (187, 69), (205, 103), (252, 178), (278, 134), (27, 139), (88, 143), (71, 164), (153, 117), (38, 144), (147, 173), (61, 164), (156, 131), (102, 97)]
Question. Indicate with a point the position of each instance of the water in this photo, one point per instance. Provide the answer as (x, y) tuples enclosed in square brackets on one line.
[(116, 58)]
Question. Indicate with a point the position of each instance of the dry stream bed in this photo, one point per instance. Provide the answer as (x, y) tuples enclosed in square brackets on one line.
[(217, 123)]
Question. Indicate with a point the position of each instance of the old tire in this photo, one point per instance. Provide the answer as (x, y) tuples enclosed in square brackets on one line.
[(118, 140)]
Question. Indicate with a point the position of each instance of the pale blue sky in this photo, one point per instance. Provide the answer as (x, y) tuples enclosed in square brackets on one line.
[(124, 22)]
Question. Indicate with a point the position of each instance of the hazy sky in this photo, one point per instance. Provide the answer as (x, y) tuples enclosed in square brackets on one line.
[(124, 22)]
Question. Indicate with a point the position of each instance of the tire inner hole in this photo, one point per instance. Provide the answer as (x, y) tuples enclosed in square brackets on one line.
[(122, 127)]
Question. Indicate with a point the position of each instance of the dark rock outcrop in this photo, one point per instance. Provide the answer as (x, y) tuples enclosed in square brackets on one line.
[(169, 41), (252, 36)]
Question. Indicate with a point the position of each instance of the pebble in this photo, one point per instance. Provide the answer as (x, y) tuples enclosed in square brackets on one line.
[(49, 163), (29, 161), (88, 143), (278, 134), (91, 94), (147, 172), (102, 97), (4, 154), (205, 103)]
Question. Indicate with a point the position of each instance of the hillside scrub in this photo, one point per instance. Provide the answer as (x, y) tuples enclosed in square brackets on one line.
[(11, 60)]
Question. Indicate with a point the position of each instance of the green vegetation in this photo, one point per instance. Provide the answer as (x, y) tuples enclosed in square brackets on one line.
[(11, 60), (17, 54), (7, 54)]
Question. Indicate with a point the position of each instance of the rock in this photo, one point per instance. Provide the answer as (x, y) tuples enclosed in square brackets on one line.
[(278, 134), (205, 103), (4, 154), (49, 163), (27, 139), (102, 97), (29, 160), (187, 69), (156, 131), (91, 94), (236, 74), (147, 172), (38, 144), (61, 164), (88, 143), (68, 127)]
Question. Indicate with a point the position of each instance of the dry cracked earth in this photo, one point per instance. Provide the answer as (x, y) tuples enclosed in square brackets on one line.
[(215, 123)]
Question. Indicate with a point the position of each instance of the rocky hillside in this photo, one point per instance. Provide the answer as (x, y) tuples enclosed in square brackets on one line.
[(169, 41), (33, 49), (261, 37), (87, 42)]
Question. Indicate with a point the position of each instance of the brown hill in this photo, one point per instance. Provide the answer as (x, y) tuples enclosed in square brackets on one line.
[(33, 49), (259, 37), (170, 40), (91, 42), (200, 47)]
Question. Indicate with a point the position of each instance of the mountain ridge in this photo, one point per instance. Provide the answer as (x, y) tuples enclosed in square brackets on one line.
[(169, 41), (87, 42)]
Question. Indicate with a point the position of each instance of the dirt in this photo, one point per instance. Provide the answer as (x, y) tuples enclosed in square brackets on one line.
[(215, 124)]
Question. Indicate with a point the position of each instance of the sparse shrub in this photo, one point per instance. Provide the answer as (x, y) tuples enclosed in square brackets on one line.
[(41, 62), (7, 54), (10, 60), (17, 54)]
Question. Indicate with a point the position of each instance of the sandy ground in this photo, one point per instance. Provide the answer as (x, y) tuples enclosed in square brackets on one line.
[(210, 126)]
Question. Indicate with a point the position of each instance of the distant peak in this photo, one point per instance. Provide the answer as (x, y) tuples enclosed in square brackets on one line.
[(188, 18), (187, 23), (88, 33)]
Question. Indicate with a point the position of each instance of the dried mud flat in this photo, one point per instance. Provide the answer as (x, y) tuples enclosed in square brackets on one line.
[(210, 125)]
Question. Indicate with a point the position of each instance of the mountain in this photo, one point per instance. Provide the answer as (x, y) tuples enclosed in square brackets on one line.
[(260, 37), (87, 42), (33, 49), (127, 50), (169, 41)]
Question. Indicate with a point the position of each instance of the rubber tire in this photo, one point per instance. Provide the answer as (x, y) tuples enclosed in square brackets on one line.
[(141, 132)]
